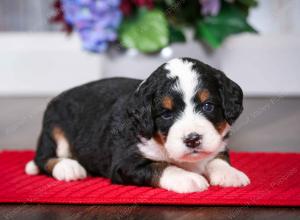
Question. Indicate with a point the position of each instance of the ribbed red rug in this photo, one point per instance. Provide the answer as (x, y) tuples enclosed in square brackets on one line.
[(275, 181)]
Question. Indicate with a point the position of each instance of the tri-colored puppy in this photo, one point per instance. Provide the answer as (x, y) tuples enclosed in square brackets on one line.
[(168, 131)]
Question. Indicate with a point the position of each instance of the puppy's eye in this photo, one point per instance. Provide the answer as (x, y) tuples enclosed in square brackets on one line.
[(167, 115), (208, 107)]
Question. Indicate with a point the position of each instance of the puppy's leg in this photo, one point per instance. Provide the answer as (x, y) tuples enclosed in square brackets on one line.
[(179, 180), (54, 157), (141, 171), (65, 169), (220, 172), (45, 150)]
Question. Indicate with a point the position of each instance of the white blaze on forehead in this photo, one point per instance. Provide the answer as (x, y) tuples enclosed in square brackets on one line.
[(187, 77)]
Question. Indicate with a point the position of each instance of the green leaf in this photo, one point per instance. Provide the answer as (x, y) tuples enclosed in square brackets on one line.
[(215, 29), (248, 3), (176, 34), (148, 32)]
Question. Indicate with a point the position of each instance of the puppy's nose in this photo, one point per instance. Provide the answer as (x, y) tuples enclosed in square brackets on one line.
[(193, 140)]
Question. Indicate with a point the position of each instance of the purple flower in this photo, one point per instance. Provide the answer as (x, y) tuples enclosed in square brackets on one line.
[(95, 20), (210, 7)]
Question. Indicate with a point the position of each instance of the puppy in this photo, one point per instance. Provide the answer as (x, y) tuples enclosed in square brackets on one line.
[(168, 131)]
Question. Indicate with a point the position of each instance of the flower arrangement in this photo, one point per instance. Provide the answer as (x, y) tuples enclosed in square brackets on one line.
[(150, 25)]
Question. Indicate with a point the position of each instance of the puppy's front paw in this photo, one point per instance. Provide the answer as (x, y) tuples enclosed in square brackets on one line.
[(222, 174), (68, 170), (181, 181)]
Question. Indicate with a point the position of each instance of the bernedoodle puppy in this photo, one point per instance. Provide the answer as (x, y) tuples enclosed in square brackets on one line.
[(168, 131)]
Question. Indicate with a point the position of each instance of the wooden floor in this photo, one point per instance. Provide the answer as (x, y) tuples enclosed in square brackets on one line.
[(45, 212)]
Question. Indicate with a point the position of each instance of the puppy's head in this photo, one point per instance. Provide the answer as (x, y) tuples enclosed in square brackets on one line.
[(187, 107)]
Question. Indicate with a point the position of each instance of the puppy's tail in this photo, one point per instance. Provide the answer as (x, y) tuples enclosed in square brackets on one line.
[(31, 168)]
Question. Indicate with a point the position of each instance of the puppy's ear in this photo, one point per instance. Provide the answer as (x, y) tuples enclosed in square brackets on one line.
[(232, 97), (140, 109)]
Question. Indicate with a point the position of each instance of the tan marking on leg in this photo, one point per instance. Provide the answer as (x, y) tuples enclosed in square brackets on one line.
[(167, 102), (158, 168), (50, 164), (62, 145), (203, 95), (57, 133)]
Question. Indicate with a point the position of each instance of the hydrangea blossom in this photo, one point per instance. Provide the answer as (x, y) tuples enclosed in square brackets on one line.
[(210, 7), (95, 20)]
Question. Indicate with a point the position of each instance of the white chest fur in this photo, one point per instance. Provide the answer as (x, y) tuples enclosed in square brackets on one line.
[(153, 150)]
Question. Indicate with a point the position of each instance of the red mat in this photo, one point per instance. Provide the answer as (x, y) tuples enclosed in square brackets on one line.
[(275, 182)]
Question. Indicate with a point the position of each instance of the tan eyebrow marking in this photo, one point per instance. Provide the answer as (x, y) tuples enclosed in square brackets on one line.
[(167, 102), (203, 95)]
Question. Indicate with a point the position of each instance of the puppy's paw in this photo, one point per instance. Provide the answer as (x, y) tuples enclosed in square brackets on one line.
[(181, 181), (31, 168), (68, 170), (222, 174)]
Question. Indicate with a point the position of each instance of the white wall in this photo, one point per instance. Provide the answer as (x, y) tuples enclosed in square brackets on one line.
[(276, 17), (267, 64), (43, 63)]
